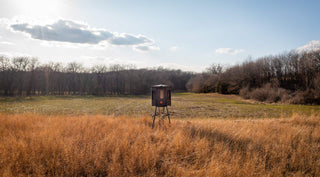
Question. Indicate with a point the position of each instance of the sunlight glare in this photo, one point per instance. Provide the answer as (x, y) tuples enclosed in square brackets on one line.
[(40, 7)]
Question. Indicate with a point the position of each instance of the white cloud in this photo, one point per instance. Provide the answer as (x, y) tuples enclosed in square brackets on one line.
[(63, 31), (4, 21), (310, 47), (69, 31), (6, 43), (14, 54), (129, 39), (145, 48), (229, 51), (60, 44), (174, 48)]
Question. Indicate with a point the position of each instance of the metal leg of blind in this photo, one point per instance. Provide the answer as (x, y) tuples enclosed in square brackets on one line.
[(168, 114), (162, 114), (154, 116)]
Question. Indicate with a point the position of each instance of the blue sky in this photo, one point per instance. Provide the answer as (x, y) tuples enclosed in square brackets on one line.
[(187, 35)]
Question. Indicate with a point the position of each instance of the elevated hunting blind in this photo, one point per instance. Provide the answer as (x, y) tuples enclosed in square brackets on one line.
[(161, 97)]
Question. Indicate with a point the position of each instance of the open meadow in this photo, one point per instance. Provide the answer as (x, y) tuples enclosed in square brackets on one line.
[(159, 88), (210, 135), (184, 105)]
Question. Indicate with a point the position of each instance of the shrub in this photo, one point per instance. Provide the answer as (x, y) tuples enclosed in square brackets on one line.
[(244, 93), (266, 93), (310, 96), (260, 94)]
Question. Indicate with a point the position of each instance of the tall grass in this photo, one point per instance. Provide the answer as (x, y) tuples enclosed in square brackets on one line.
[(37, 145)]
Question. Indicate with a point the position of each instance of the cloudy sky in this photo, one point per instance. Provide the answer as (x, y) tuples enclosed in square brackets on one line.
[(180, 34)]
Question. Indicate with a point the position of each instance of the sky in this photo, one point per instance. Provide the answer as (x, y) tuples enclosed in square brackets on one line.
[(177, 34)]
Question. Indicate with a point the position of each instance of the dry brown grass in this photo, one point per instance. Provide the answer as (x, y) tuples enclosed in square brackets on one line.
[(37, 145)]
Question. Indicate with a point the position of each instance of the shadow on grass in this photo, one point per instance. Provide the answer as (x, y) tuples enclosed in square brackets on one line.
[(246, 149), (214, 136), (241, 146)]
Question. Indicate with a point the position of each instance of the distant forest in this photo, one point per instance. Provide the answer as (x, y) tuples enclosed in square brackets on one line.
[(290, 77), (24, 76)]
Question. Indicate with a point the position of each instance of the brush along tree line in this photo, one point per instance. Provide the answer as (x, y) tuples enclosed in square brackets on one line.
[(290, 77)]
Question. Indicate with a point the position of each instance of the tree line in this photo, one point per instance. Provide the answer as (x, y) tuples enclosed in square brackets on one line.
[(289, 77), (23, 76)]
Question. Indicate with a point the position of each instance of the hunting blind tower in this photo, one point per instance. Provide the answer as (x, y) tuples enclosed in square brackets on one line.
[(161, 97)]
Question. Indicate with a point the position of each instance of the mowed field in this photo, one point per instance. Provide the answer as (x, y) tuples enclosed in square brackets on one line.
[(184, 105), (210, 135)]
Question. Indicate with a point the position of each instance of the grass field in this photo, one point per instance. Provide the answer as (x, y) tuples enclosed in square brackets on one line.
[(184, 105), (37, 145), (210, 135)]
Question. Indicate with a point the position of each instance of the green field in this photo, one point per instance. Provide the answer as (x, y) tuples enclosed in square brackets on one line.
[(184, 105)]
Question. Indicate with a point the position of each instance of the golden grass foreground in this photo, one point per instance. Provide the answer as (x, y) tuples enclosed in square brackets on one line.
[(37, 145)]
